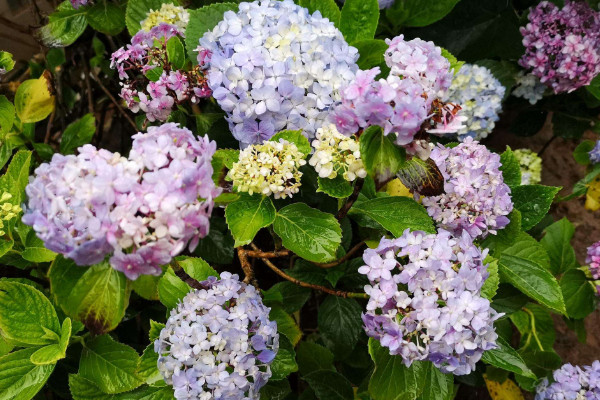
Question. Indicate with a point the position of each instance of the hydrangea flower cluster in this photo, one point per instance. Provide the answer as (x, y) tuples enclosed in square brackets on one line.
[(531, 166), (80, 3), (143, 210), (475, 197), (572, 383), (593, 261), (529, 87), (273, 66), (562, 46), (271, 168), (425, 300), (336, 154), (157, 98), (218, 343), (7, 210), (595, 153), (167, 14), (480, 95)]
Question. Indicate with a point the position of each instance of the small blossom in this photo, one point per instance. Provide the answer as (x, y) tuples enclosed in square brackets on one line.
[(531, 166), (529, 87), (336, 154), (571, 383), (8, 211), (167, 14)]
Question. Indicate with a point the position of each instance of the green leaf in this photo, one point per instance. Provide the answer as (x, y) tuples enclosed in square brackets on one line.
[(594, 87), (511, 170), (64, 26), (176, 52), (27, 316), (295, 137), (455, 65), (581, 154), (7, 115), (137, 11), (506, 237), (313, 357), (533, 201), (423, 12), (197, 268), (557, 242), (391, 379), (359, 20), (20, 379), (16, 177), (77, 134), (340, 324), (149, 393), (490, 286), (579, 294), (507, 358), (84, 389), (531, 278), (327, 8), (536, 326), (171, 289), (97, 295), (38, 254), (337, 187), (569, 126), (203, 20), (146, 286), (329, 385), (276, 390), (290, 297), (371, 55), (33, 101), (311, 234), (55, 58), (6, 61), (106, 17), (247, 215), (286, 324), (382, 158), (147, 369), (421, 176), (155, 328), (285, 360), (51, 353), (436, 385), (395, 214), (154, 74), (109, 365)]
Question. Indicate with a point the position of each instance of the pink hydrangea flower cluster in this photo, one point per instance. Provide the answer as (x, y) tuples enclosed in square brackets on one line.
[(593, 261), (143, 210), (157, 98), (562, 46)]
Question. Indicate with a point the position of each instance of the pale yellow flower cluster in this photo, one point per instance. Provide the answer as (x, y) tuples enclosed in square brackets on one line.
[(336, 154), (7, 211), (270, 168), (169, 14), (531, 166)]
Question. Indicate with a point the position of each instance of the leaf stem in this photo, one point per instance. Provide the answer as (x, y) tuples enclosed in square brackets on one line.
[(533, 331), (343, 259), (246, 267)]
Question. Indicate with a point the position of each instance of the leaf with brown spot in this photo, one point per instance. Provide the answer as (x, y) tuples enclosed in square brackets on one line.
[(423, 177)]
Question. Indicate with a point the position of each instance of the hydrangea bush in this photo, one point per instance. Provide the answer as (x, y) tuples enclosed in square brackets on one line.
[(265, 200)]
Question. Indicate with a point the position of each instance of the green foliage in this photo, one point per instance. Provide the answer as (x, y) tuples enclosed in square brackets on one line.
[(247, 215), (533, 201), (391, 379), (557, 242), (328, 9), (20, 379), (419, 12), (359, 20), (371, 55), (106, 17), (33, 101), (77, 134), (511, 171), (340, 324), (579, 294), (137, 11), (507, 358), (6, 61), (64, 27), (176, 52), (382, 158), (295, 137)]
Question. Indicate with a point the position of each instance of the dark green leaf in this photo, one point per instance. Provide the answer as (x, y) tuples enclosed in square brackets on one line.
[(511, 170), (290, 296), (106, 17), (218, 246), (508, 299), (337, 187), (391, 379), (329, 385), (422, 12), (313, 357), (506, 237), (7, 115), (557, 242), (382, 158), (594, 87), (435, 384), (581, 153), (533, 201), (569, 126), (247, 215), (371, 55), (285, 360), (77, 134), (176, 52), (340, 324), (277, 390), (285, 324), (536, 326), (507, 358), (359, 19), (579, 294), (529, 122)]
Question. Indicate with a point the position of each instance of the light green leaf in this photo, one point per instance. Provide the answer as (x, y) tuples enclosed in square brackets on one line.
[(7, 115), (295, 137), (146, 286), (84, 389), (327, 8), (64, 26), (149, 393), (533, 201), (147, 369), (203, 20), (340, 324), (106, 17), (51, 353), (19, 378), (16, 177), (109, 365), (155, 328), (337, 187), (359, 19), (38, 254), (247, 215), (507, 358), (286, 324), (6, 61), (490, 286), (579, 294), (171, 289), (196, 267), (581, 154), (391, 379), (511, 170), (176, 52), (77, 134), (311, 234), (382, 158), (504, 238), (33, 101), (285, 360), (557, 242)]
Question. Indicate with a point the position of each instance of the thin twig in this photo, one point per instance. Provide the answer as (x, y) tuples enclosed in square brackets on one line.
[(88, 86), (350, 200), (339, 293), (546, 145), (246, 267), (49, 126), (115, 102), (181, 274), (343, 259), (267, 254)]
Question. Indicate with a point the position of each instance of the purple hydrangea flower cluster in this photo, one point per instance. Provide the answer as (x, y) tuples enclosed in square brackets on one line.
[(79, 3), (218, 343), (156, 97), (475, 197), (595, 153), (572, 383), (143, 210), (593, 261), (562, 46), (273, 66), (425, 300)]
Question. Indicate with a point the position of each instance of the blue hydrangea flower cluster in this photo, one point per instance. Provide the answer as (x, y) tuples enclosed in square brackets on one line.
[(218, 343), (273, 66), (572, 383), (425, 299), (143, 210), (475, 197), (595, 153), (157, 97), (529, 87), (480, 95)]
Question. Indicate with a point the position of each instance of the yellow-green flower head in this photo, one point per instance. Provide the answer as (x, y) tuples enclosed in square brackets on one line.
[(336, 154), (270, 168), (168, 14), (7, 211), (531, 166)]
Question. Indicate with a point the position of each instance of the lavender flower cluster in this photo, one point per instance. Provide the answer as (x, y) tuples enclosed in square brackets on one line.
[(529, 87), (475, 196), (143, 210), (572, 383), (273, 66), (593, 261), (562, 46), (425, 300), (480, 95), (595, 153), (218, 343), (80, 3), (156, 97)]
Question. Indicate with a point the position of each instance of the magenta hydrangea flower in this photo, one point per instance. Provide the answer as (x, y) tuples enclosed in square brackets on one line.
[(562, 46), (571, 382), (425, 300), (593, 261), (475, 197)]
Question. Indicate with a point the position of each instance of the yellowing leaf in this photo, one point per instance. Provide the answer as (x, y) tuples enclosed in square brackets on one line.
[(592, 199), (396, 188), (33, 101), (506, 390)]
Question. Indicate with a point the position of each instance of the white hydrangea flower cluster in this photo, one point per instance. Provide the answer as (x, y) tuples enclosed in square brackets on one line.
[(271, 168), (480, 95), (336, 154), (168, 14), (274, 66), (529, 87), (218, 343), (531, 166)]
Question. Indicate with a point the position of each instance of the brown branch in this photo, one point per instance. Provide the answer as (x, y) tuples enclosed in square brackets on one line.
[(115, 102), (246, 267), (181, 274), (13, 25), (267, 254), (49, 126), (350, 200), (339, 293), (343, 259)]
